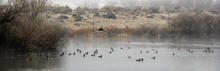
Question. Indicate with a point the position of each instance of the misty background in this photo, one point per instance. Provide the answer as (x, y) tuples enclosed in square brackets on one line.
[(188, 4)]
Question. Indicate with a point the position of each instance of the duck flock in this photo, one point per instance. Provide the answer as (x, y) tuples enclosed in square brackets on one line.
[(111, 50)]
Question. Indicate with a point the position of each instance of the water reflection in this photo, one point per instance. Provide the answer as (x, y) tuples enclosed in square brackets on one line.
[(19, 61)]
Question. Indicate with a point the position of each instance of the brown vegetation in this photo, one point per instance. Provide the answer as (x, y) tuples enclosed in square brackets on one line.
[(23, 24), (193, 23), (189, 23), (151, 22)]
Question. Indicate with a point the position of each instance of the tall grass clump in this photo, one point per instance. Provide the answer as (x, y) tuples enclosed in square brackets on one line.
[(24, 25)]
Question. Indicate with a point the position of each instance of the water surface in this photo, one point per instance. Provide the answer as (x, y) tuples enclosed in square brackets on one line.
[(118, 56)]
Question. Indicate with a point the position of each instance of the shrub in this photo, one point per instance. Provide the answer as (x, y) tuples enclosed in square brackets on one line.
[(109, 15), (77, 17), (23, 24), (9, 12), (195, 24), (63, 17), (62, 10), (206, 23), (38, 32), (96, 13), (15, 8), (213, 11), (216, 25), (152, 10), (185, 23)]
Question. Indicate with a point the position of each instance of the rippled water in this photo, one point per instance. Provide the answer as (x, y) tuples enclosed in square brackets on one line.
[(118, 56)]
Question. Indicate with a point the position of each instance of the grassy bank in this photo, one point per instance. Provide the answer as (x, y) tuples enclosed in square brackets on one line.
[(144, 22), (184, 24)]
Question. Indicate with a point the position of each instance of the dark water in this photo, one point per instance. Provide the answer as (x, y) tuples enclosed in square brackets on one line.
[(118, 56)]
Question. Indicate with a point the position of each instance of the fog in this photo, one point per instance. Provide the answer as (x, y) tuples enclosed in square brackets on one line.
[(189, 4)]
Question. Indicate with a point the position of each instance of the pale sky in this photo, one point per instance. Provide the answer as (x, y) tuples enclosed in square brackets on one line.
[(133, 3), (130, 3)]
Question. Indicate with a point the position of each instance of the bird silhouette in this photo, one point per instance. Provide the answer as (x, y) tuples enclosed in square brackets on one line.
[(154, 58), (96, 51), (92, 54), (100, 29), (208, 50), (173, 54), (129, 57), (190, 51), (110, 52), (100, 56), (78, 50), (111, 49), (84, 55), (121, 48), (87, 53), (62, 54), (140, 60), (156, 52)]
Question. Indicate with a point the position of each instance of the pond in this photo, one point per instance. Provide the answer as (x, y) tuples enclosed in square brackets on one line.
[(118, 56)]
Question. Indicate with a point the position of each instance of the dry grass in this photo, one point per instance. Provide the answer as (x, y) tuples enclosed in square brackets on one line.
[(121, 31), (182, 25)]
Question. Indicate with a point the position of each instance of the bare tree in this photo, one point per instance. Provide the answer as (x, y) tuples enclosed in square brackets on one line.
[(15, 8)]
